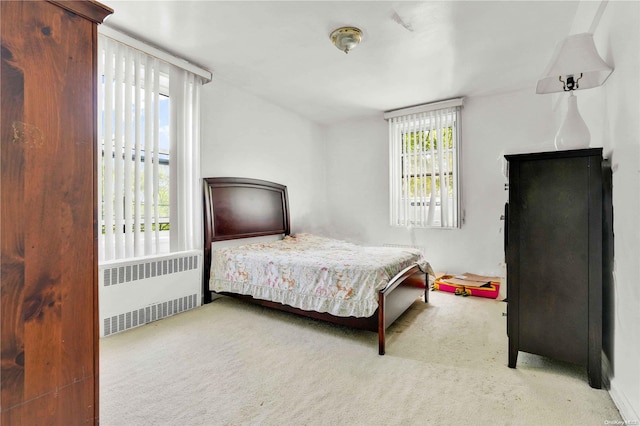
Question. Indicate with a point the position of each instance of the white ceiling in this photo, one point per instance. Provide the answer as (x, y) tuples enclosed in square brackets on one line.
[(412, 52)]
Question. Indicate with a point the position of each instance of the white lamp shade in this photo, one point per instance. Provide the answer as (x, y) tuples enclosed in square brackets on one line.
[(573, 56)]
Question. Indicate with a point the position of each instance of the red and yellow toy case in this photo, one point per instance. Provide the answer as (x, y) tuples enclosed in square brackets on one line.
[(490, 290)]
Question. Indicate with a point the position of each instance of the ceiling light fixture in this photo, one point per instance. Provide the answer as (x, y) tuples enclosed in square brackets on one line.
[(346, 38)]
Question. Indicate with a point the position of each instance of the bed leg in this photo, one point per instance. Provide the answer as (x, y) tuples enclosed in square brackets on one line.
[(381, 322), (426, 288)]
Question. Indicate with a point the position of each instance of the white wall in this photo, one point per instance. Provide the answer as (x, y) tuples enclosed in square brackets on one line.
[(613, 115), (245, 136), (357, 178)]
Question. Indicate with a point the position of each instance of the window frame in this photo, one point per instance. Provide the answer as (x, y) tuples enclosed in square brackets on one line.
[(425, 209)]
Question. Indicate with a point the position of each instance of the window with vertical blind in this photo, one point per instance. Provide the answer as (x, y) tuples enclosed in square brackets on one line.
[(424, 151), (148, 154)]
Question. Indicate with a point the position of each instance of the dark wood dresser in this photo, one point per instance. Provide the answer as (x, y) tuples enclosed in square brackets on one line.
[(48, 280), (554, 255)]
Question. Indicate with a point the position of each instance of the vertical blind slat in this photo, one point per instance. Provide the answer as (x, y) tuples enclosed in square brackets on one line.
[(194, 173), (441, 175), (175, 124), (405, 170), (414, 169), (456, 180), (394, 169), (184, 151), (137, 171), (392, 172), (128, 133), (118, 154), (432, 169), (424, 139), (148, 155), (156, 155), (108, 152)]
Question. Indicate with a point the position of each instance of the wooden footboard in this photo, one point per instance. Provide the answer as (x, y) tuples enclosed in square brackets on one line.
[(393, 301), (397, 297)]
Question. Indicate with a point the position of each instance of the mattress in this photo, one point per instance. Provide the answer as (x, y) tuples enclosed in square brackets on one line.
[(312, 273)]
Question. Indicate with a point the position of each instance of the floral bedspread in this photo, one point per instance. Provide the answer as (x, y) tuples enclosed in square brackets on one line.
[(312, 273)]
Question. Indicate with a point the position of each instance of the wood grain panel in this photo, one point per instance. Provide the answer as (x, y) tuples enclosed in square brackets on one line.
[(11, 203), (49, 333)]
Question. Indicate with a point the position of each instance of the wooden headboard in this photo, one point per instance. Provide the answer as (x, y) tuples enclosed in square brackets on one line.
[(241, 208)]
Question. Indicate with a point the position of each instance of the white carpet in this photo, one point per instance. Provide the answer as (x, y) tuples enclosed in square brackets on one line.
[(229, 363)]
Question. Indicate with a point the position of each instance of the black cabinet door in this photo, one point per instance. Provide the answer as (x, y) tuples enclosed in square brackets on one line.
[(554, 257)]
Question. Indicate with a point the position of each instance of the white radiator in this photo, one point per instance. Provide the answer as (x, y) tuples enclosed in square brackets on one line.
[(136, 292)]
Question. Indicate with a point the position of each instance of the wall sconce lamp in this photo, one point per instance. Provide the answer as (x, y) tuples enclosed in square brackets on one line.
[(575, 65), (346, 38)]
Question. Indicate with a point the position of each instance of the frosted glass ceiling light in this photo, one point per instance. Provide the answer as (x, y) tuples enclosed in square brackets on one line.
[(346, 38), (575, 65)]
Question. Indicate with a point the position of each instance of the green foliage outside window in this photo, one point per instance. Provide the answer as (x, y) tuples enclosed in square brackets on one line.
[(163, 197), (417, 160), (422, 140)]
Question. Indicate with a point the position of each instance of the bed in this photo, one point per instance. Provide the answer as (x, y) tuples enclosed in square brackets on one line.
[(322, 278)]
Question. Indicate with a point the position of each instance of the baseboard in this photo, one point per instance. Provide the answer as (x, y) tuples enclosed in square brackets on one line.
[(607, 371), (625, 408)]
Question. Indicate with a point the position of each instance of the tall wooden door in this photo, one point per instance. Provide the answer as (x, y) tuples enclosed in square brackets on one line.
[(48, 275)]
